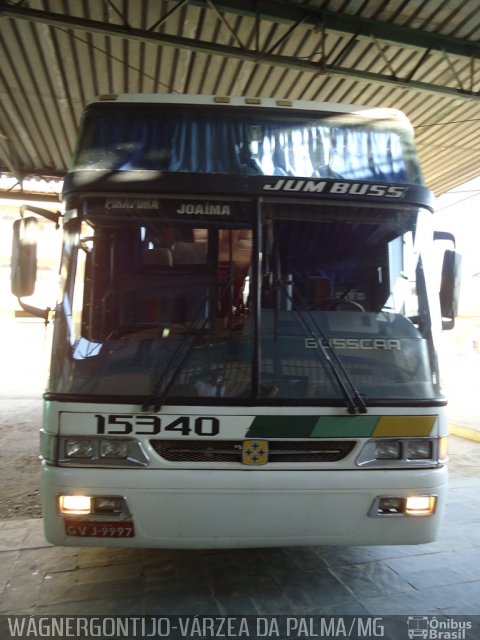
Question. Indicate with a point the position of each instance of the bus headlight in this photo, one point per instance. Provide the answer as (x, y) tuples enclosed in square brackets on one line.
[(113, 448), (419, 450), (388, 450), (78, 448), (402, 452), (101, 451)]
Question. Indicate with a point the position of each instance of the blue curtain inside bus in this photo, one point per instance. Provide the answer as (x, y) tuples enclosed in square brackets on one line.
[(207, 144)]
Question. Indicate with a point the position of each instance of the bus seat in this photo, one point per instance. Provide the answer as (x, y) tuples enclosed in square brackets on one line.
[(319, 290), (189, 252), (161, 257)]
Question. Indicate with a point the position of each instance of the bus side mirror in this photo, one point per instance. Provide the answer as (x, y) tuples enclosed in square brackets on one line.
[(24, 257), (24, 264), (450, 282)]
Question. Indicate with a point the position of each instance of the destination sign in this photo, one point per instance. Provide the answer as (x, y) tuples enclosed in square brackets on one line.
[(184, 209)]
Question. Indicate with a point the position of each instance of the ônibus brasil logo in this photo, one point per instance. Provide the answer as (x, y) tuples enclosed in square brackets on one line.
[(431, 628)]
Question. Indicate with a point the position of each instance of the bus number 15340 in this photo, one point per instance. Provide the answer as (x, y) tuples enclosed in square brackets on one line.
[(124, 424)]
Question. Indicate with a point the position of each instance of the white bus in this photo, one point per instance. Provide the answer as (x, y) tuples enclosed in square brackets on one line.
[(244, 344)]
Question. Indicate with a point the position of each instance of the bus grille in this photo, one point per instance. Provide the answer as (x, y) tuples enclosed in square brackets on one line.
[(231, 450)]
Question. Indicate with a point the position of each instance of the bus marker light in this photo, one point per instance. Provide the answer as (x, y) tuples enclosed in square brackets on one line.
[(443, 449)]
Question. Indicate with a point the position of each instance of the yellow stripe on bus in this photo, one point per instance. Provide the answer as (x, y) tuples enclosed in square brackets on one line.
[(404, 426)]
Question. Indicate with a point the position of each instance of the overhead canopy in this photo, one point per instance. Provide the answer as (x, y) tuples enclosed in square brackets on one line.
[(422, 58)]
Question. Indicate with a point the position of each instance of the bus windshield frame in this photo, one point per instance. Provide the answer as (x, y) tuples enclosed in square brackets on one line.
[(276, 301)]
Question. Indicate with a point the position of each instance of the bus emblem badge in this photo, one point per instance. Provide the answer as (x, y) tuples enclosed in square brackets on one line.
[(255, 452)]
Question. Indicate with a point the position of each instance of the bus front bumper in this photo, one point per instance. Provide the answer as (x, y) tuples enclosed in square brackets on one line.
[(195, 509)]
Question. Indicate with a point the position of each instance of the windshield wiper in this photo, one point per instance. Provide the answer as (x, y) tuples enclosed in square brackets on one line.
[(172, 367), (192, 332), (354, 401)]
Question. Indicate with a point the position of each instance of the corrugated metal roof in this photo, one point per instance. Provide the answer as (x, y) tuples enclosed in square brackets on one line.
[(420, 56)]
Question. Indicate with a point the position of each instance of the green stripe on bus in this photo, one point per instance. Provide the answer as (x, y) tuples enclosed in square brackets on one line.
[(344, 426), (282, 427), (312, 427)]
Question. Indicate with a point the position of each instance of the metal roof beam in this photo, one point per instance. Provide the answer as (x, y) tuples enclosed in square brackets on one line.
[(287, 12), (211, 48), (347, 24)]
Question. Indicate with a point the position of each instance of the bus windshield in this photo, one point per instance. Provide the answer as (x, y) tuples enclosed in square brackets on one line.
[(161, 310), (353, 146)]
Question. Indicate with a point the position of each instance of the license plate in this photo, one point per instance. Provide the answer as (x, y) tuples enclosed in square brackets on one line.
[(83, 529)]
